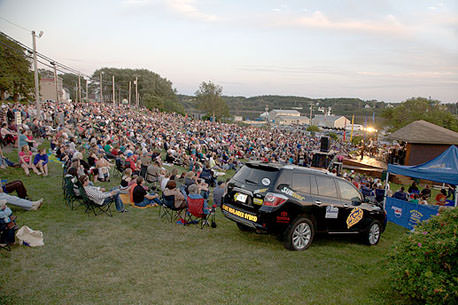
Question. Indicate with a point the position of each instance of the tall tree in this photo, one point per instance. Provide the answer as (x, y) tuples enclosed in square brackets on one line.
[(154, 91), (44, 73), (70, 82), (209, 100), (420, 109), (16, 77)]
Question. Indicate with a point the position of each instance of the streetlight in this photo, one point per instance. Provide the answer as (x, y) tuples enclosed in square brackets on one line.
[(37, 90)]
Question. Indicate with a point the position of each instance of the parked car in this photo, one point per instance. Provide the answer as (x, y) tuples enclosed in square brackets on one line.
[(298, 202)]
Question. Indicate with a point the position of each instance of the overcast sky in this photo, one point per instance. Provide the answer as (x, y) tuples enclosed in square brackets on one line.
[(384, 50)]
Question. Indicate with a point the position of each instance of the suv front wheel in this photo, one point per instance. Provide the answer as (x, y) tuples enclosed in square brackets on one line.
[(299, 235), (372, 236)]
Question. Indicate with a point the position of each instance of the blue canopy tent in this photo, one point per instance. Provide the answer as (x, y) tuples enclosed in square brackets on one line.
[(443, 168)]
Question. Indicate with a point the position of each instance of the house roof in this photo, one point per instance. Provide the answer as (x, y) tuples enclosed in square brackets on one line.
[(294, 118), (423, 132), (280, 111), (325, 120)]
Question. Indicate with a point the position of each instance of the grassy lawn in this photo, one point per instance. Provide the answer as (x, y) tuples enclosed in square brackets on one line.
[(136, 258)]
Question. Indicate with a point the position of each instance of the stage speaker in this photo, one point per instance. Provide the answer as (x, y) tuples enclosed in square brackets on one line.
[(320, 160), (324, 144)]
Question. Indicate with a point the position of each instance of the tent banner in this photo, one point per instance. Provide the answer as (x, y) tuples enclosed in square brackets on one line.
[(408, 214)]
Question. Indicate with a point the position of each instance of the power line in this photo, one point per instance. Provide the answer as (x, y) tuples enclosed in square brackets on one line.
[(29, 56), (74, 71), (15, 24)]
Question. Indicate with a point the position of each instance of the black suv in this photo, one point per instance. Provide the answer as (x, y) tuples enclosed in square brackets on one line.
[(298, 202)]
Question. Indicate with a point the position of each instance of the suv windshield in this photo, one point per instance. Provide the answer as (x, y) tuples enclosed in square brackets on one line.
[(254, 175)]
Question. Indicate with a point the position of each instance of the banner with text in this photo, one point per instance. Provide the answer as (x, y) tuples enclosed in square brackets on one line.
[(408, 214)]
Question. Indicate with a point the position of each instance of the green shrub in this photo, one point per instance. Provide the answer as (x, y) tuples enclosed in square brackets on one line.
[(334, 136), (357, 140), (313, 128), (423, 264)]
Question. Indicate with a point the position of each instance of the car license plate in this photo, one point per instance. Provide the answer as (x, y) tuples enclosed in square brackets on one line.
[(241, 197)]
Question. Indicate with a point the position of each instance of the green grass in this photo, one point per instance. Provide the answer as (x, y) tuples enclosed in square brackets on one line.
[(136, 258)]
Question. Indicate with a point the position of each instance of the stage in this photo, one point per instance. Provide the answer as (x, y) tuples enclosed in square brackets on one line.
[(368, 166)]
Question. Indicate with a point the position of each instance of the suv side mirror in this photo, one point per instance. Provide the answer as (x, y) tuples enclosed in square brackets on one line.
[(356, 201)]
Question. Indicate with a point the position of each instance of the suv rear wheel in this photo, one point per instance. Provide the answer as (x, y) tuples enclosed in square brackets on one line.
[(299, 235)]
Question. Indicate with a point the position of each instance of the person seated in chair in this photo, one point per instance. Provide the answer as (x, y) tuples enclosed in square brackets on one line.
[(401, 194), (441, 197), (6, 215), (153, 172), (141, 197), (100, 197), (203, 188), (171, 190), (195, 194), (426, 192), (207, 175), (7, 225), (413, 188)]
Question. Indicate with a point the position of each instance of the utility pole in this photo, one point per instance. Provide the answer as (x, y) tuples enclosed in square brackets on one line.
[(76, 92), (37, 90), (267, 114), (101, 86), (311, 107), (79, 88), (56, 82), (87, 91), (136, 91), (129, 92), (114, 99)]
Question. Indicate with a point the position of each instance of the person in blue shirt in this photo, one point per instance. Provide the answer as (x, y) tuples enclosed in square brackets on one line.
[(7, 220), (41, 161), (5, 213), (195, 194), (401, 194)]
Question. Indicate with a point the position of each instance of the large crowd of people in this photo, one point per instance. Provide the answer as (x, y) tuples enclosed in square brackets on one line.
[(92, 138)]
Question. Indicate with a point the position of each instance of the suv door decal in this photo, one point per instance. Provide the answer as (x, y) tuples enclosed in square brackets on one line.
[(332, 212), (355, 216)]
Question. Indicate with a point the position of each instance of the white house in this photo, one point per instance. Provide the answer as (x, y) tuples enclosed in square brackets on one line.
[(331, 121)]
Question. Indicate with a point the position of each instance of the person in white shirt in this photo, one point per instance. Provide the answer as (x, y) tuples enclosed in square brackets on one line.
[(100, 197)]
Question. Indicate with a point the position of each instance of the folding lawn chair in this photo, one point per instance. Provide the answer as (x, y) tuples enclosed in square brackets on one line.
[(69, 192), (167, 208), (118, 169), (196, 211), (4, 236), (91, 206)]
